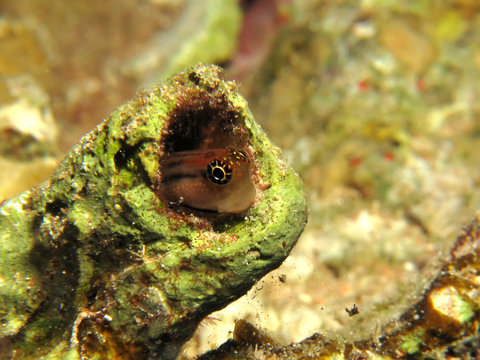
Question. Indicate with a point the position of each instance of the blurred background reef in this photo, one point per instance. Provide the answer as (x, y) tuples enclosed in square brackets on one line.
[(373, 102)]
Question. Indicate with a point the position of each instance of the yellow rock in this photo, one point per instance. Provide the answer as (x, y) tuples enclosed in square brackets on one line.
[(450, 27), (20, 50), (412, 48)]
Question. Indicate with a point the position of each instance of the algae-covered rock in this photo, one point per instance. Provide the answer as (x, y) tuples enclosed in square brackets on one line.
[(98, 263)]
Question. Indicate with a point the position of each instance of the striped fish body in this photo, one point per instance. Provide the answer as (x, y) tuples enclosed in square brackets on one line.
[(213, 179)]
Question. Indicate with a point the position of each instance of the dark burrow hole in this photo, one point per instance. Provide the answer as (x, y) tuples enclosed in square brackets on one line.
[(123, 155), (55, 207), (204, 121), (128, 157)]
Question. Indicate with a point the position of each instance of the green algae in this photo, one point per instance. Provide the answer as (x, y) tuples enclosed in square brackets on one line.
[(96, 265)]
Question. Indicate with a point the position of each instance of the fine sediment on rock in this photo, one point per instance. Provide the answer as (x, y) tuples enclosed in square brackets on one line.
[(441, 323)]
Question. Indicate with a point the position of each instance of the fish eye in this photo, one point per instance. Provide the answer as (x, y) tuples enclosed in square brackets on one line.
[(219, 172)]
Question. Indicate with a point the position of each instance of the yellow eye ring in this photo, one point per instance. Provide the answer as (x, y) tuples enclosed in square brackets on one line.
[(219, 172)]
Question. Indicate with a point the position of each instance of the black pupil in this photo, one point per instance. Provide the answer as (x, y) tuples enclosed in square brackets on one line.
[(218, 173)]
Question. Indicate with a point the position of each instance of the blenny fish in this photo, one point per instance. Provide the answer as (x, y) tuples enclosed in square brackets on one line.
[(213, 179)]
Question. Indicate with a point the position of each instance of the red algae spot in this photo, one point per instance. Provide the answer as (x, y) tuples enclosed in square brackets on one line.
[(355, 161), (388, 156), (421, 85), (363, 85)]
